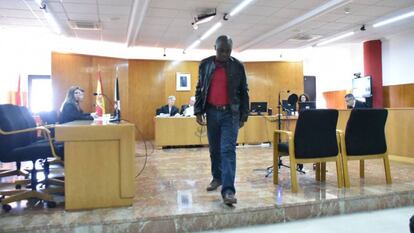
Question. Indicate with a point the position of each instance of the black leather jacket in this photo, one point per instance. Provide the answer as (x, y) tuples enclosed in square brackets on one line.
[(238, 91)]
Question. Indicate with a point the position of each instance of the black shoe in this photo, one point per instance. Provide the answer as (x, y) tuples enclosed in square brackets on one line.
[(214, 184), (229, 198)]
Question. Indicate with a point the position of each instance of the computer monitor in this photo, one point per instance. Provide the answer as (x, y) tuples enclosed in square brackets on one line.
[(258, 107), (362, 87), (307, 105), (287, 107)]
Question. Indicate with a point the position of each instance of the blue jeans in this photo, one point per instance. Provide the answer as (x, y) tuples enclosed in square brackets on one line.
[(222, 130)]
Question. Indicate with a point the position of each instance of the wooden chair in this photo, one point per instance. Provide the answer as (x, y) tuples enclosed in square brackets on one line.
[(315, 141), (364, 138)]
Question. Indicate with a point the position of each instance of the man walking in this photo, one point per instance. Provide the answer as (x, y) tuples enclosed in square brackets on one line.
[(222, 94)]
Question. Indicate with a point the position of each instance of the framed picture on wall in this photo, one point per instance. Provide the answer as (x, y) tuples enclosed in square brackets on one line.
[(183, 81)]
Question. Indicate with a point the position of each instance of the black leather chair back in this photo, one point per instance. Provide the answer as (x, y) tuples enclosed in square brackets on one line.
[(29, 120), (365, 132), (315, 134), (5, 125), (11, 118), (21, 146), (49, 117)]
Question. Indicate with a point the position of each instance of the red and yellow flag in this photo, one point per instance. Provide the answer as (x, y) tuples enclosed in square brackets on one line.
[(18, 97), (100, 102)]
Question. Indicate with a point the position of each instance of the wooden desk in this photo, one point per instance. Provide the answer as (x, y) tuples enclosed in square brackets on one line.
[(179, 131), (99, 164)]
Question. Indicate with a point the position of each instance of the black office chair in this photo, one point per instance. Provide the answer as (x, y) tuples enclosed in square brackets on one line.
[(19, 143), (364, 138), (18, 171), (158, 111), (49, 118), (30, 123), (314, 141)]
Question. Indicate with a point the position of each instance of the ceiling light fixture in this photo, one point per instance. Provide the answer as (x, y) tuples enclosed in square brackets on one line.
[(193, 45), (336, 38), (204, 36), (240, 7), (203, 18), (394, 19), (211, 30), (216, 26)]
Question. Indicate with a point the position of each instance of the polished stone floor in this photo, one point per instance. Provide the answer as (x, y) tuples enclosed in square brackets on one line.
[(394, 220), (171, 196)]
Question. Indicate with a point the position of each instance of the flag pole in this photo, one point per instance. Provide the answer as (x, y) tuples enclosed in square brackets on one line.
[(117, 107)]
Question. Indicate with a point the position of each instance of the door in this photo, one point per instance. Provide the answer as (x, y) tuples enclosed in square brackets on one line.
[(310, 87)]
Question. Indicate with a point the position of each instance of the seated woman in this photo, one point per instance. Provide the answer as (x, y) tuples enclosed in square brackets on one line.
[(303, 98), (70, 110)]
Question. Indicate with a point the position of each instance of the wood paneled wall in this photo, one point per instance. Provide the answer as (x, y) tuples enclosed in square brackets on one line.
[(146, 84), (147, 91), (267, 79), (395, 96), (81, 70), (335, 99), (399, 96), (153, 81)]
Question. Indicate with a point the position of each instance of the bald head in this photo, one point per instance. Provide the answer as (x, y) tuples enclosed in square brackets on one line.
[(223, 48)]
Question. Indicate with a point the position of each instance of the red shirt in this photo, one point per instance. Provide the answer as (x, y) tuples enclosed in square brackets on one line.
[(217, 93)]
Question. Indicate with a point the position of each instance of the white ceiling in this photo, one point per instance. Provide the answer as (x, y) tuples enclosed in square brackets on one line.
[(264, 24)]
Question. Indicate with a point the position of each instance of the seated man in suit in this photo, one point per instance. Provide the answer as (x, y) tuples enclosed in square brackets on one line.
[(351, 102), (169, 109), (188, 109)]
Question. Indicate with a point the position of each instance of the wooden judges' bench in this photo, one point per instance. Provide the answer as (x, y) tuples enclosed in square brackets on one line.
[(181, 131), (399, 131)]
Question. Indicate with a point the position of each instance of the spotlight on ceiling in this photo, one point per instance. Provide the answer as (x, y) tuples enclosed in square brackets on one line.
[(204, 18)]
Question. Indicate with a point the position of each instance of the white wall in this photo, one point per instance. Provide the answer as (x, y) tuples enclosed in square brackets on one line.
[(333, 67), (21, 55), (398, 59)]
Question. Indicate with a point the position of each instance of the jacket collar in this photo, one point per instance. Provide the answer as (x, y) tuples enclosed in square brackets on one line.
[(212, 59)]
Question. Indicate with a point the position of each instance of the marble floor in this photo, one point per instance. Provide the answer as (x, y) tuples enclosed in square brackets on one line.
[(386, 221), (171, 196)]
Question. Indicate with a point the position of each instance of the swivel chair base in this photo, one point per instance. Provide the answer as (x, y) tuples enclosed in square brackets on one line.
[(269, 170)]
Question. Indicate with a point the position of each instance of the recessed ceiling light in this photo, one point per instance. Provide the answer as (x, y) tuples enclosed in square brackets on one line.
[(336, 38), (394, 19), (240, 7), (211, 30)]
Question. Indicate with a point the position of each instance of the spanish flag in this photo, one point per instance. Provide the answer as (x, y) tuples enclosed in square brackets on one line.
[(100, 103), (18, 97)]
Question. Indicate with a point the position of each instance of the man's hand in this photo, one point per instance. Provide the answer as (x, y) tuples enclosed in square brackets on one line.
[(201, 120), (241, 124)]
